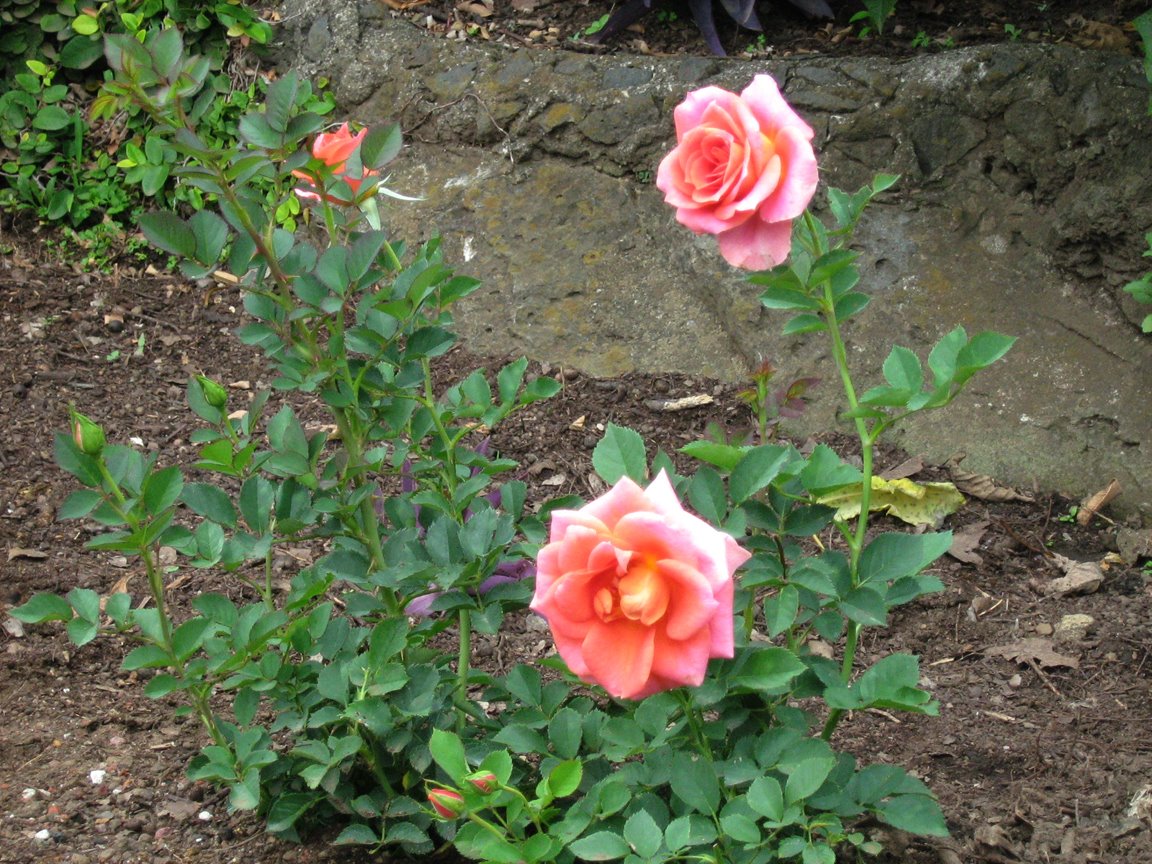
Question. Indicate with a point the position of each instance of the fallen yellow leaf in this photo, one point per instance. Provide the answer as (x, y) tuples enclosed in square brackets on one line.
[(911, 502)]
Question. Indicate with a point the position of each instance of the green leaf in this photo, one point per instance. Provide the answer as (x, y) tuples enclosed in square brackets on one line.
[(211, 233), (643, 834), (77, 463), (724, 456), (781, 609), (767, 798), (43, 607), (211, 502), (806, 777), (81, 631), (982, 351), (759, 467), (918, 814), (694, 782), (289, 807), (508, 380), (448, 752), (740, 828), (564, 731), (865, 605), (522, 739), (565, 778), (942, 358), (169, 233), (80, 52), (902, 370), (51, 118), (706, 495), (161, 489), (620, 453), (355, 834), (601, 846), (146, 657), (79, 504), (767, 670), (826, 471), (280, 100), (380, 146), (894, 556)]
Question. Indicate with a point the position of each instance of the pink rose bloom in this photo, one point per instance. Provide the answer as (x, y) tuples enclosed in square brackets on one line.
[(333, 149), (637, 591), (743, 169)]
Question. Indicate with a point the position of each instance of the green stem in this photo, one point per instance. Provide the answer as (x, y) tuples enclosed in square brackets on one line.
[(692, 715), (463, 663)]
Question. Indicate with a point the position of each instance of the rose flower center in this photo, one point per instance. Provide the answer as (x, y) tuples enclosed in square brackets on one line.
[(639, 595)]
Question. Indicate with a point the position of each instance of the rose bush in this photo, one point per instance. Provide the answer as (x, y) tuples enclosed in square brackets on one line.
[(333, 149), (743, 169), (638, 592)]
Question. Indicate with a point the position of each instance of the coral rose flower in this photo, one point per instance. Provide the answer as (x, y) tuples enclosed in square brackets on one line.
[(743, 169), (637, 591), (333, 149)]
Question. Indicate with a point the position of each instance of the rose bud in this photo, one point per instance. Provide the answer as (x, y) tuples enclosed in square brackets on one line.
[(484, 782), (214, 394), (447, 803), (87, 434)]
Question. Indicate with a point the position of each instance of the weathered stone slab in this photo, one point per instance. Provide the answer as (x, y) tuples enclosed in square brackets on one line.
[(1027, 187)]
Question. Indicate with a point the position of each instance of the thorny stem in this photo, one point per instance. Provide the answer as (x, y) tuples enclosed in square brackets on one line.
[(867, 436)]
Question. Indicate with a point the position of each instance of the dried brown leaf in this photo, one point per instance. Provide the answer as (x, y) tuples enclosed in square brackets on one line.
[(983, 486), (966, 541), (908, 468), (1033, 650), (1092, 505), (15, 552), (1080, 577)]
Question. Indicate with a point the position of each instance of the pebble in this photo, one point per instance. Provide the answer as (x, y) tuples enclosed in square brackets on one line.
[(1044, 629), (1074, 628)]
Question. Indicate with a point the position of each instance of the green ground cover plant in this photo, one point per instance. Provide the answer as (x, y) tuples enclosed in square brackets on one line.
[(686, 716), (67, 156)]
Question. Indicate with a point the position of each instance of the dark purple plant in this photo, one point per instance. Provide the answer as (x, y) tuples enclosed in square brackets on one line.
[(743, 12), (507, 571)]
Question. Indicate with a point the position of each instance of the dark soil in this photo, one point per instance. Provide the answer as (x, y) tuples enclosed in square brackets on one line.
[(915, 25), (1041, 758)]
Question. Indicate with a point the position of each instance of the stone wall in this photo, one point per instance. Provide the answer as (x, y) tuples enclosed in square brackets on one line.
[(1026, 191)]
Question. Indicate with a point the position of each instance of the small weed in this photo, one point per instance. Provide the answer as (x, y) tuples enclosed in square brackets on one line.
[(644, 176), (1014, 32), (876, 13), (666, 16), (1070, 515), (921, 40), (760, 46), (595, 27)]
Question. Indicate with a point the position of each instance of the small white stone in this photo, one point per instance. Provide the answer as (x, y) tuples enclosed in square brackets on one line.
[(97, 776), (28, 794), (204, 815), (43, 834)]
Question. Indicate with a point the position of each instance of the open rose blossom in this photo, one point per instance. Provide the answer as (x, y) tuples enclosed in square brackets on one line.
[(743, 169), (333, 149), (638, 591)]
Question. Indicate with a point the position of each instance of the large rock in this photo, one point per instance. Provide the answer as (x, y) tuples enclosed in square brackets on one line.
[(1027, 187)]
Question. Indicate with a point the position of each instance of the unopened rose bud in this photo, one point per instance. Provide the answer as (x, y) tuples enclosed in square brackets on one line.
[(214, 394), (484, 782), (447, 803), (87, 434)]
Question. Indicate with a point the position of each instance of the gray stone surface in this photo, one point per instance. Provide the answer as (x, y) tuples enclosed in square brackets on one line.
[(1027, 187)]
